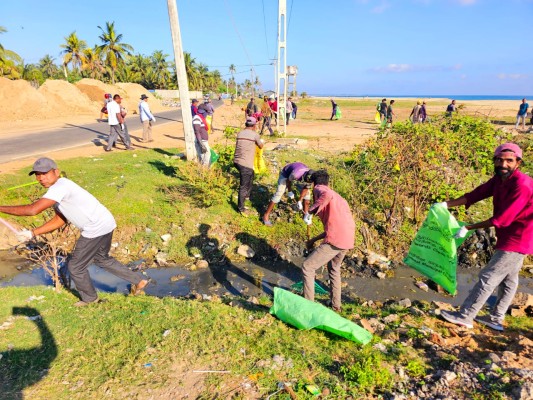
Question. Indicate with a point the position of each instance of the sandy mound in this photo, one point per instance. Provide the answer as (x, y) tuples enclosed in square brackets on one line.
[(20, 101), (65, 98)]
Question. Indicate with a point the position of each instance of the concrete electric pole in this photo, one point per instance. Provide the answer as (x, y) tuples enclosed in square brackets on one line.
[(281, 75), (183, 84)]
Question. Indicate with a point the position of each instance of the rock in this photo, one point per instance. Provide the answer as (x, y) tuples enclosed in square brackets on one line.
[(381, 275), (405, 303), (202, 264), (245, 251), (161, 259), (166, 237), (389, 319)]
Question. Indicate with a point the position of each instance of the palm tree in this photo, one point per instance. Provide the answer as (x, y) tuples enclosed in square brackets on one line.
[(112, 48), (92, 65), (73, 53), (232, 71), (48, 66)]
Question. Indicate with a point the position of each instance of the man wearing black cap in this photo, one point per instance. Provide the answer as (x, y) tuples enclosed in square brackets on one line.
[(247, 140), (147, 119), (75, 205)]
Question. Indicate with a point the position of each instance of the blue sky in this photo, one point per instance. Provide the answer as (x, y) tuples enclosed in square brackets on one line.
[(358, 47)]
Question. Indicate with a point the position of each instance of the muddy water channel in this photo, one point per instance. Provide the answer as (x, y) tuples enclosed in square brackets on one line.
[(248, 279)]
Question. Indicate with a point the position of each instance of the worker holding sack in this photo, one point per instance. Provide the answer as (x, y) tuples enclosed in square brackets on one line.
[(338, 235), (512, 197)]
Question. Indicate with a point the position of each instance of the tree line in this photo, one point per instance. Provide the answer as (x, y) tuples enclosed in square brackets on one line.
[(113, 60)]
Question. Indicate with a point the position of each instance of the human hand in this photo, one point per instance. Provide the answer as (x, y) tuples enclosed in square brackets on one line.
[(442, 203), (461, 233), (122, 126), (24, 235), (290, 195), (308, 219), (300, 205)]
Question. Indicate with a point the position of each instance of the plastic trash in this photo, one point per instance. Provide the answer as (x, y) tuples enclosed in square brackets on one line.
[(433, 251), (304, 314)]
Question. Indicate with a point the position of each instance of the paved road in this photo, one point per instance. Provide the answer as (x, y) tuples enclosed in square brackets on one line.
[(69, 136)]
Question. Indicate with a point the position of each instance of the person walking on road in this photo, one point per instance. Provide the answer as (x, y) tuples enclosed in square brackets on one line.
[(512, 198), (116, 124), (247, 141), (76, 205), (293, 172), (147, 119), (338, 235), (522, 114)]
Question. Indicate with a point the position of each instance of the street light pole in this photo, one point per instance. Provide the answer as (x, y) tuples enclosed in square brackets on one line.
[(183, 85)]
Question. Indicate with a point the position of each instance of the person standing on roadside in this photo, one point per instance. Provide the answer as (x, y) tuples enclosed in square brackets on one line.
[(390, 113), (203, 150), (76, 205), (333, 109), (147, 119), (288, 110), (266, 111), (512, 198), (116, 124), (522, 113), (338, 235), (247, 141)]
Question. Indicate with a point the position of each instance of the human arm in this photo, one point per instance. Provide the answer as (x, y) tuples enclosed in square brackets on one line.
[(29, 209)]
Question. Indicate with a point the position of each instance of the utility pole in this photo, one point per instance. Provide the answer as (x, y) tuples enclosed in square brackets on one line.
[(183, 84), (281, 72)]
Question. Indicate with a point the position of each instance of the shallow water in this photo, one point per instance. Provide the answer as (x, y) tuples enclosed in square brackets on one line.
[(249, 279)]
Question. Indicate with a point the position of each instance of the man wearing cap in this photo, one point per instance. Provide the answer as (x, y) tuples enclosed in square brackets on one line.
[(147, 119), (512, 199), (75, 205), (115, 120), (247, 140), (293, 172)]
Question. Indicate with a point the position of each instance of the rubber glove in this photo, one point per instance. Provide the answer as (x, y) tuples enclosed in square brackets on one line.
[(442, 203), (461, 233), (24, 235), (300, 205), (308, 219), (290, 195)]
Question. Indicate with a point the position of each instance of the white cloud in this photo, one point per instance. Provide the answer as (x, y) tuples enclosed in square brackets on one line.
[(503, 76)]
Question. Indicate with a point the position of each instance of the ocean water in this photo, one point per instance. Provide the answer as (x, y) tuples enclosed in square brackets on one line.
[(432, 96)]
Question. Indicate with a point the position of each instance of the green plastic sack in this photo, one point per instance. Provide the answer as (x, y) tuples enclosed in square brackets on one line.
[(304, 314), (338, 113), (214, 157), (433, 251)]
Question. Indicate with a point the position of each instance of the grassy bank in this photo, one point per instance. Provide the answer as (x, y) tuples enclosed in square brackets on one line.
[(148, 347)]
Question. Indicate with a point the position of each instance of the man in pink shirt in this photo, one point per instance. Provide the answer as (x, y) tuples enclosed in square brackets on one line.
[(338, 235), (512, 198)]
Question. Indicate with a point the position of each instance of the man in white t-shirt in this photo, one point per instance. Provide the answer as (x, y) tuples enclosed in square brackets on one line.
[(76, 205), (115, 119)]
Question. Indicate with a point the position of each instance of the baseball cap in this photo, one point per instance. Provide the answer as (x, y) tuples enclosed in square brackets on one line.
[(143, 96), (43, 164), (251, 121), (511, 147)]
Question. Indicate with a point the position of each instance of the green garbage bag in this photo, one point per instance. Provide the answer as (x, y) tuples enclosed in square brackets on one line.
[(433, 251), (214, 157), (305, 314), (338, 113)]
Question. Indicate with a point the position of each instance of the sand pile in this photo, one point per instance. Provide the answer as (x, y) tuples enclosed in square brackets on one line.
[(65, 98), (20, 101)]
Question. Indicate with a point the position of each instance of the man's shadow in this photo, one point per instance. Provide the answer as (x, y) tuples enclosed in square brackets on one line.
[(25, 367)]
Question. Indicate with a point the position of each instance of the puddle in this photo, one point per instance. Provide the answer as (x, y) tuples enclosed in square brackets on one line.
[(249, 279)]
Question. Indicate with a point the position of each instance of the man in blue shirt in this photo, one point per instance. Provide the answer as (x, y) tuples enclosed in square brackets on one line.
[(522, 113)]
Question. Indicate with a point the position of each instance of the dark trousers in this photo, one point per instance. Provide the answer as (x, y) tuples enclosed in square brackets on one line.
[(245, 187), (97, 249)]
